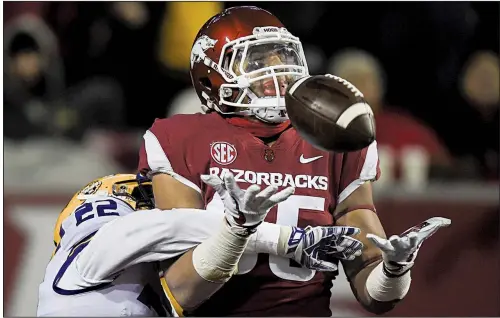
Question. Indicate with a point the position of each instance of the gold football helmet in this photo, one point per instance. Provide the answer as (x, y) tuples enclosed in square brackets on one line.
[(134, 190)]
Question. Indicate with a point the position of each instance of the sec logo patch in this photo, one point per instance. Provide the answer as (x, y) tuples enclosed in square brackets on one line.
[(223, 152)]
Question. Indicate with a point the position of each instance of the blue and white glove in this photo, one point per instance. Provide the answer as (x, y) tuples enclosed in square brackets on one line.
[(245, 210), (399, 251), (313, 247)]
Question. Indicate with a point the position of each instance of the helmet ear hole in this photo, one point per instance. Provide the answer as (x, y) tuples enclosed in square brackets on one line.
[(205, 82), (227, 59)]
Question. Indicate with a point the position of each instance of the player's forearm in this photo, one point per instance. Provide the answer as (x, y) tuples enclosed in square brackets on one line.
[(184, 287), (187, 288), (359, 288), (377, 291), (374, 290), (198, 274)]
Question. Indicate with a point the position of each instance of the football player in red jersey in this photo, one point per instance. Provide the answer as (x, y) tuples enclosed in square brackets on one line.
[(242, 61)]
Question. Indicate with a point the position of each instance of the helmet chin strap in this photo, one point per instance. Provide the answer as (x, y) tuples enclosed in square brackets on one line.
[(268, 113)]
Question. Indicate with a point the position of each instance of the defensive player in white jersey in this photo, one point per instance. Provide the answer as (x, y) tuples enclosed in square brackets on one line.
[(103, 264)]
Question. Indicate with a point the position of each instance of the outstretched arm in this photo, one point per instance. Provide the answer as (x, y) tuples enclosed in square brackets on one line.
[(381, 277), (358, 210)]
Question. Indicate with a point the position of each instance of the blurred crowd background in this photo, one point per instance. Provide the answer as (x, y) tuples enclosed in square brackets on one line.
[(98, 74), (84, 80)]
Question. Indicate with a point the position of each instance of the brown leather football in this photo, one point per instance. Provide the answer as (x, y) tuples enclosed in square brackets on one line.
[(330, 113)]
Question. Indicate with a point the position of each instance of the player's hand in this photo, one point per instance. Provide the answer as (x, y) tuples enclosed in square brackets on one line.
[(399, 251), (245, 210), (314, 247)]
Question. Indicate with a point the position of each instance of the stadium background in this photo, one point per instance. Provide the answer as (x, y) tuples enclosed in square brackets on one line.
[(82, 81)]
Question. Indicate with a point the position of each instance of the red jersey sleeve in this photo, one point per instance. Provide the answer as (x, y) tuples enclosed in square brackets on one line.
[(357, 168), (162, 153)]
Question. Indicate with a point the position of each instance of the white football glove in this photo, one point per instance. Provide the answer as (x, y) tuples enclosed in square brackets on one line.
[(399, 251), (245, 210), (315, 247)]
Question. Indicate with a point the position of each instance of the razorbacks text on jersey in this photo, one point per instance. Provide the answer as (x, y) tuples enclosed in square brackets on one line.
[(273, 286), (64, 292)]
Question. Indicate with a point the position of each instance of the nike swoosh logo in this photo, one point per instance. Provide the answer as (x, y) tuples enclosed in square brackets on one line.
[(307, 160)]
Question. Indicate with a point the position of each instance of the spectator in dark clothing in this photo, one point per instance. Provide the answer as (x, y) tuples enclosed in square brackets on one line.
[(117, 40), (477, 141), (37, 100)]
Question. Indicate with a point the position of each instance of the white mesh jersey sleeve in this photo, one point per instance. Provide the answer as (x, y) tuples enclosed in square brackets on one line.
[(145, 236)]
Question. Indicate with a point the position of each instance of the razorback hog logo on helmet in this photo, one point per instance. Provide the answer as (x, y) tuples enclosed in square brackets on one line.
[(200, 46), (223, 152)]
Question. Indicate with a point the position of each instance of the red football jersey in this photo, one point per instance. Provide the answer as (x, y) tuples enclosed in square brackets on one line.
[(187, 146)]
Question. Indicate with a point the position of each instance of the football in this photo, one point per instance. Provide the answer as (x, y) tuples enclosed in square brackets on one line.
[(330, 113)]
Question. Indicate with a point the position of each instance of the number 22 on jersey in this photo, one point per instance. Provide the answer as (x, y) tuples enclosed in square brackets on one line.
[(287, 214), (86, 211)]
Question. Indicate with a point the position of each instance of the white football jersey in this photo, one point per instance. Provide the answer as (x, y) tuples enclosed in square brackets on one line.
[(64, 292)]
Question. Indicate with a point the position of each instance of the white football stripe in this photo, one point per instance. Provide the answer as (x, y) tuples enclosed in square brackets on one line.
[(352, 113), (368, 172), (158, 160), (297, 84)]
